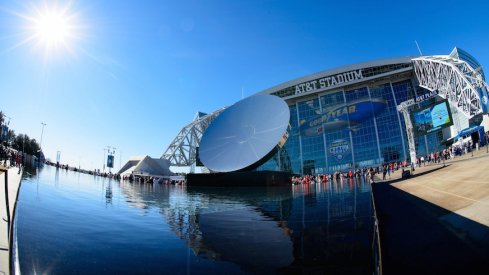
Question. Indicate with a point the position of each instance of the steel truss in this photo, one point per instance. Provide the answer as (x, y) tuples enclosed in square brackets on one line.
[(454, 80), (183, 149), (404, 109)]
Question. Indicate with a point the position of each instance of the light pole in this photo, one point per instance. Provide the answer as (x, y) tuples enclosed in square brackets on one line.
[(42, 132), (103, 161), (40, 144), (23, 149), (58, 158)]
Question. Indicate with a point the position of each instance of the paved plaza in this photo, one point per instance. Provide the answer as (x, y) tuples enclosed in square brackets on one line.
[(438, 220)]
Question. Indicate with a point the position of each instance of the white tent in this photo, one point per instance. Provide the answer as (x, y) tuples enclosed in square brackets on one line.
[(146, 166)]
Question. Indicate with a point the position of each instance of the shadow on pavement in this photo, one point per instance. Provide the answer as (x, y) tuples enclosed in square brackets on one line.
[(417, 237)]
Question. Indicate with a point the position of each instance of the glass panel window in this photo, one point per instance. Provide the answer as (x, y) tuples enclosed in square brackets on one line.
[(312, 142), (336, 132)]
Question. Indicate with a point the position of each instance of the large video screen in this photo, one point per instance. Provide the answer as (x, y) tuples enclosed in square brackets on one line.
[(434, 117)]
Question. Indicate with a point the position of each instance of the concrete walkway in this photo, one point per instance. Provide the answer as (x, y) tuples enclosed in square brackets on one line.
[(436, 222), (13, 187)]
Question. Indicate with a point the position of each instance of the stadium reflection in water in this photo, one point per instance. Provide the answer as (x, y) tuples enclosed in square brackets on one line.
[(68, 222)]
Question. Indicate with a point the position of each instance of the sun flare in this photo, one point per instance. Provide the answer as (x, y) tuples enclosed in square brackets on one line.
[(51, 27)]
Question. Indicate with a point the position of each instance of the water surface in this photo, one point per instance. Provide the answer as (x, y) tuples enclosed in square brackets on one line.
[(69, 222)]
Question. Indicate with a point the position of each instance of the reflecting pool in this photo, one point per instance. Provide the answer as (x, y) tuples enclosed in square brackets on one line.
[(67, 222)]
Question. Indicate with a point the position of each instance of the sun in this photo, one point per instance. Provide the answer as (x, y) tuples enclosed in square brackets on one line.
[(51, 27)]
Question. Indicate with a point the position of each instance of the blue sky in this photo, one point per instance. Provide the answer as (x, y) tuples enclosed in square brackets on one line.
[(139, 70)]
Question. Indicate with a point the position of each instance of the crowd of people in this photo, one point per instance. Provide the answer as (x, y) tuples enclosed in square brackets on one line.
[(388, 169), (80, 170), (127, 177), (435, 157), (367, 173), (151, 179), (138, 178), (391, 168), (10, 157)]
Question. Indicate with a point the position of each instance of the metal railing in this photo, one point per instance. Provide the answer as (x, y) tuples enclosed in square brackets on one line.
[(9, 220), (7, 205), (376, 247)]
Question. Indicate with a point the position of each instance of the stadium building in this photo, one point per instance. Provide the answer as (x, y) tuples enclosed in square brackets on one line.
[(355, 116)]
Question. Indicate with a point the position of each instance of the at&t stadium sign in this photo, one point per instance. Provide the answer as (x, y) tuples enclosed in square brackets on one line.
[(329, 81)]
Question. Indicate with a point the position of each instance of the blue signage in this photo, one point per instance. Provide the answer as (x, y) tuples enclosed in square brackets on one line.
[(484, 95), (4, 129), (110, 161), (338, 148)]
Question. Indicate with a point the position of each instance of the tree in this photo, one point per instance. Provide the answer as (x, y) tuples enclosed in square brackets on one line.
[(2, 118), (22, 142), (19, 141), (34, 147)]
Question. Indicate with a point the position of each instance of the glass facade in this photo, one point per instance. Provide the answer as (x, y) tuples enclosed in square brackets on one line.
[(337, 139), (465, 56), (347, 129), (312, 145), (365, 143)]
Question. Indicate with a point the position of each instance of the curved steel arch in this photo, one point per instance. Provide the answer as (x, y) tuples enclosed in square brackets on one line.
[(454, 80), (183, 149)]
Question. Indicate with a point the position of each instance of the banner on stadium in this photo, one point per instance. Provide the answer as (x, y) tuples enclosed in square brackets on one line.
[(342, 116), (110, 161), (484, 95)]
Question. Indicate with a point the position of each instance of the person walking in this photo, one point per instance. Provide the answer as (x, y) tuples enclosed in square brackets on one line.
[(372, 173), (384, 171)]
